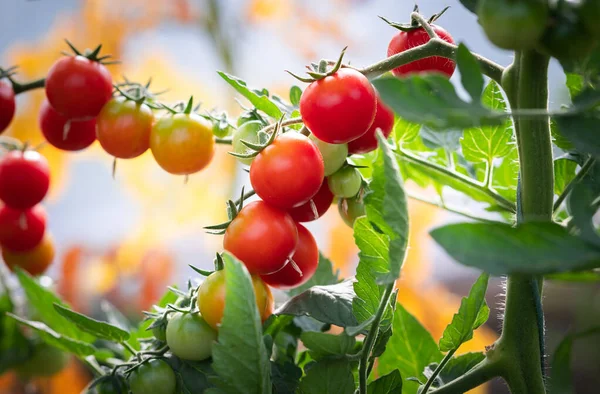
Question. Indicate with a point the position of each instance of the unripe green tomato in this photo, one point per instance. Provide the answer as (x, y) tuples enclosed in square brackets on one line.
[(154, 376), (247, 132), (220, 130), (160, 333), (351, 209), (46, 360), (345, 183), (247, 116), (110, 386), (334, 155), (590, 13), (190, 337)]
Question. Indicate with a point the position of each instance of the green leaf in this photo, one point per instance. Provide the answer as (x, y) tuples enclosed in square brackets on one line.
[(410, 349), (456, 367), (388, 384), (53, 338), (324, 275), (470, 72), (574, 84), (295, 94), (473, 312), (581, 128), (448, 140), (239, 357), (114, 316), (14, 347), (99, 329), (531, 248), (471, 5), (329, 304), (328, 376), (431, 99), (260, 101), (564, 172), (285, 376), (506, 176), (559, 139), (584, 276), (322, 345), (405, 131), (192, 376), (582, 204), (142, 331)]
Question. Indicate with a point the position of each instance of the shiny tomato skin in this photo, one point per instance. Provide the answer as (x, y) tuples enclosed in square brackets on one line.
[(79, 133), (182, 144), (35, 261), (24, 179), (339, 108), (384, 120), (78, 87), (315, 207), (7, 104), (189, 336), (288, 172), (403, 41), (154, 376), (22, 230), (211, 298), (306, 258), (262, 237), (123, 128)]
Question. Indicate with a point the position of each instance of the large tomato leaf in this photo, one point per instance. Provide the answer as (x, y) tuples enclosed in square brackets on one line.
[(258, 99), (324, 275), (328, 376), (97, 328), (388, 384), (321, 344)]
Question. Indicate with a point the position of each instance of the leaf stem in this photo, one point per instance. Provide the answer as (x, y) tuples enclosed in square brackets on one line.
[(131, 350), (439, 369), (451, 209), (479, 374), (589, 163)]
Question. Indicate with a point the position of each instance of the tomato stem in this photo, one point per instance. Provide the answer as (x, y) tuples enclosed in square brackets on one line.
[(424, 24), (439, 369), (24, 87)]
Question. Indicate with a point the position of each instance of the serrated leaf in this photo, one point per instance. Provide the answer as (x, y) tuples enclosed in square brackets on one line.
[(239, 357), (324, 275), (322, 345), (470, 72), (531, 248), (99, 329), (286, 377), (473, 312), (456, 367), (564, 172), (405, 131), (387, 384), (328, 376), (260, 101), (448, 140)]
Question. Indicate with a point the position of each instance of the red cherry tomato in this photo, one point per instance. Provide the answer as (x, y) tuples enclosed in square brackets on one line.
[(315, 207), (384, 120), (288, 172), (124, 128), (262, 237), (339, 108), (63, 133), (35, 261), (78, 87), (22, 230), (403, 41), (24, 179), (7, 104), (306, 259)]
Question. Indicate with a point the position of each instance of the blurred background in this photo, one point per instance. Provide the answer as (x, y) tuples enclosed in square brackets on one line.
[(125, 239)]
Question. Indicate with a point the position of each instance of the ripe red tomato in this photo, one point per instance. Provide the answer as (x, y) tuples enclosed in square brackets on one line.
[(315, 207), (288, 172), (306, 258), (384, 120), (63, 133), (211, 298), (182, 144), (262, 237), (22, 230), (78, 87), (124, 128), (24, 179), (339, 108), (35, 261), (7, 104), (403, 41)]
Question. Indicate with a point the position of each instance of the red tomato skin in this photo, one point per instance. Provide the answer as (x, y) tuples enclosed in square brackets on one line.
[(339, 108), (7, 104), (289, 172), (21, 231), (321, 202), (306, 258), (384, 120), (78, 87), (262, 237), (80, 134), (24, 179), (403, 41)]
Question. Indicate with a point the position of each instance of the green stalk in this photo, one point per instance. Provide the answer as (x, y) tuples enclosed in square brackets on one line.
[(439, 369)]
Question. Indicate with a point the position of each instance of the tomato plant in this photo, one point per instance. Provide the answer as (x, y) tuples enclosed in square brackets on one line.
[(154, 376), (22, 230), (35, 261), (189, 336), (315, 207), (64, 133), (24, 179), (7, 104), (384, 121)]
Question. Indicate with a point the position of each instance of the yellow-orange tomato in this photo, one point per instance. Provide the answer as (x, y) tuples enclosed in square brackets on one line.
[(211, 298), (182, 144), (123, 128), (35, 261)]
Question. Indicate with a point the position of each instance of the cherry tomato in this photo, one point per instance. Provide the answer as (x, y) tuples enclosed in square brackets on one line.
[(182, 144), (403, 41), (64, 133), (262, 237), (7, 104), (248, 131), (35, 261), (78, 87), (350, 209), (22, 230), (334, 155), (190, 337), (110, 386), (339, 108), (346, 182), (154, 376), (384, 120), (24, 179), (306, 259), (315, 207), (211, 298), (45, 360), (289, 172), (123, 128)]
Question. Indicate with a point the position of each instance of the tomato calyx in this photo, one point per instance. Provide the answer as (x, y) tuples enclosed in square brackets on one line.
[(218, 262), (233, 208), (138, 93), (320, 71), (91, 54), (414, 23), (265, 140)]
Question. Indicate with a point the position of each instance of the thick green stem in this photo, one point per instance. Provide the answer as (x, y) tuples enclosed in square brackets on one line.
[(24, 87), (481, 373)]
